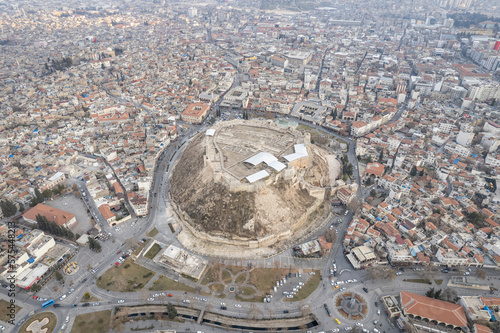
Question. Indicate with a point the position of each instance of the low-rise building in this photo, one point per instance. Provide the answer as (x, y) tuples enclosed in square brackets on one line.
[(60, 217), (195, 113)]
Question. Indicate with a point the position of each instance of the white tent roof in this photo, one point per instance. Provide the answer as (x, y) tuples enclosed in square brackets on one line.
[(300, 151), (257, 176), (277, 165), (261, 157), (210, 132)]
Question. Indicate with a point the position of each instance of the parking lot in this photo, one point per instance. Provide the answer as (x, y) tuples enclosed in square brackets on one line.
[(68, 202)]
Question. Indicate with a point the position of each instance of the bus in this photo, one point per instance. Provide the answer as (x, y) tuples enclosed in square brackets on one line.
[(48, 303)]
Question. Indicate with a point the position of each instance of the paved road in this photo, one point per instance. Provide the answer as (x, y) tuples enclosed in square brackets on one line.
[(160, 216)]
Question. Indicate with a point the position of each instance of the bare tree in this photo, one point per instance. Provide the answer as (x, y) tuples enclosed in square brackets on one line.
[(449, 295), (144, 294), (408, 327), (305, 309), (254, 312), (331, 236), (380, 273), (481, 273), (429, 272)]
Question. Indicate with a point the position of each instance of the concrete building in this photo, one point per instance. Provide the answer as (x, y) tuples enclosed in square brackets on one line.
[(60, 217), (434, 311), (195, 113)]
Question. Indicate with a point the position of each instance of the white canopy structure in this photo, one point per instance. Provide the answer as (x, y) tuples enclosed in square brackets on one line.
[(300, 151), (257, 176), (267, 158)]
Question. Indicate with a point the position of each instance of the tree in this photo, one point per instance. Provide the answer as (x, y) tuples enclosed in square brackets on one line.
[(94, 245), (449, 295), (413, 171), (35, 288), (378, 272), (373, 193), (47, 194), (331, 236), (39, 196), (348, 169), (430, 293), (481, 273), (172, 312), (428, 272), (381, 155), (59, 276), (8, 208)]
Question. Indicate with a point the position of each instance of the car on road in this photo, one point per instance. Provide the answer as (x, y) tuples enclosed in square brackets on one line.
[(96, 304), (62, 297), (119, 252), (121, 301), (375, 322), (203, 299), (151, 299), (170, 295), (376, 330), (376, 304), (67, 319), (378, 312), (71, 290), (346, 212), (237, 305), (285, 311), (63, 326), (186, 301), (348, 328), (85, 304), (223, 308), (337, 321), (365, 290), (359, 324), (334, 330), (35, 297)]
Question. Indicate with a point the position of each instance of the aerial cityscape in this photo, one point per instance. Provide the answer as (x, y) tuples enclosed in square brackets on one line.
[(238, 166)]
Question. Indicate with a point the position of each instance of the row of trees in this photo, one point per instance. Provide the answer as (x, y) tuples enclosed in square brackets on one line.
[(46, 194), (448, 295), (51, 227)]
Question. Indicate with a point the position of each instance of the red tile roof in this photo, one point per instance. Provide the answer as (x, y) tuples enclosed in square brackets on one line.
[(433, 309)]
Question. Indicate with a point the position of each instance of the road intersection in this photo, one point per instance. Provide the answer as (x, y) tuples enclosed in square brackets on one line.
[(160, 215)]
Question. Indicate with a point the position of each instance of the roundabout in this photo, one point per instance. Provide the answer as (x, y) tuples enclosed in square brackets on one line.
[(43, 322), (351, 306)]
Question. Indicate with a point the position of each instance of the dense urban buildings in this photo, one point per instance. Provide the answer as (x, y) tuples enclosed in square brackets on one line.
[(197, 154)]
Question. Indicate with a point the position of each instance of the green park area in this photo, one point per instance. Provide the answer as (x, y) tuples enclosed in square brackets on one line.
[(127, 277), (95, 322)]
